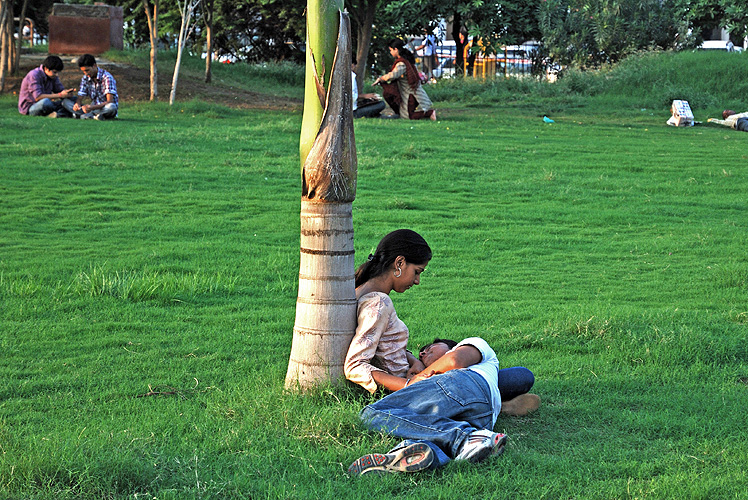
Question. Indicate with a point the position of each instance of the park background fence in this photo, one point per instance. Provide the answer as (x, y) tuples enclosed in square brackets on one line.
[(512, 60)]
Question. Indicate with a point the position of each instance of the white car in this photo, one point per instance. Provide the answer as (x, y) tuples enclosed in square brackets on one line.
[(719, 45)]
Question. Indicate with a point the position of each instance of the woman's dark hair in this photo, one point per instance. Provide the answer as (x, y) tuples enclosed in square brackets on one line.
[(405, 53), (405, 242)]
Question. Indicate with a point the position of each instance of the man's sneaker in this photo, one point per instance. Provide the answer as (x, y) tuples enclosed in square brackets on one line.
[(413, 458), (480, 445)]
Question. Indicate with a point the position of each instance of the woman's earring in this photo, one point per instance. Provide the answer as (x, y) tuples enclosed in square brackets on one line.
[(399, 273)]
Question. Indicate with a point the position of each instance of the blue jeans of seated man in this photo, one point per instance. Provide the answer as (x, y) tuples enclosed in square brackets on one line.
[(742, 125), (440, 411), (109, 111), (47, 106)]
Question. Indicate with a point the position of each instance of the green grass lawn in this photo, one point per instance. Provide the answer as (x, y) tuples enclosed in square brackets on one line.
[(148, 273)]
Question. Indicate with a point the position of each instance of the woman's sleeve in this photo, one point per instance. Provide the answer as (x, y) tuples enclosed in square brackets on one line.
[(372, 323), (397, 72)]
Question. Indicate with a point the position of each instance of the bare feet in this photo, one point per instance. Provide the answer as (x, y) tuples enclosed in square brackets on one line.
[(521, 405), (433, 116)]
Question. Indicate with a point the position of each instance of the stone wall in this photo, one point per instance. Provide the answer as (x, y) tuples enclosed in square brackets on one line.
[(85, 29)]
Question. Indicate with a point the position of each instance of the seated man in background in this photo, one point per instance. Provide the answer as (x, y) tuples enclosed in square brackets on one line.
[(42, 92), (365, 105), (445, 412), (100, 87)]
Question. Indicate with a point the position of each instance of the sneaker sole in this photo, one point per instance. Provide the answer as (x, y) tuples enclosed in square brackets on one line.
[(413, 458), (496, 449)]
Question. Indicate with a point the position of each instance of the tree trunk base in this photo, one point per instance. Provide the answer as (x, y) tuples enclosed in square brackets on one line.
[(326, 303)]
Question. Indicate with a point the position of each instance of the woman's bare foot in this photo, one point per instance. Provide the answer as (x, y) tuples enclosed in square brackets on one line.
[(521, 405), (433, 116)]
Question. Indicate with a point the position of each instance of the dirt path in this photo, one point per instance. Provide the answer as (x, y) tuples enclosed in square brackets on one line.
[(133, 84)]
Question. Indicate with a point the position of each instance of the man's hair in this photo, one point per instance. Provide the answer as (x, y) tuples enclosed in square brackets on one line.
[(86, 60), (53, 63), (726, 113), (450, 343)]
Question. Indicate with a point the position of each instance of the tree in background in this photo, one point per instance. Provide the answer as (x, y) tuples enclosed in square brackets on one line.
[(19, 36), (703, 16), (589, 33), (6, 12), (326, 303), (207, 12), (260, 30), (494, 24), (151, 13), (363, 13), (186, 9), (736, 19)]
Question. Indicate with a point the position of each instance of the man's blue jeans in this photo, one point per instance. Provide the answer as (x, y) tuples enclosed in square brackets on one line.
[(440, 411), (109, 111), (515, 381), (47, 106)]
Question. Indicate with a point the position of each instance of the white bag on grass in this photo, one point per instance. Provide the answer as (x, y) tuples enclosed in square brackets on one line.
[(682, 114)]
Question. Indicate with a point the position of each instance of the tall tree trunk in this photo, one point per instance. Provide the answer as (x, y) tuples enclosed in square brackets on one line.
[(184, 30), (6, 13), (3, 52), (459, 45), (363, 40), (151, 13), (326, 302), (208, 17), (19, 40)]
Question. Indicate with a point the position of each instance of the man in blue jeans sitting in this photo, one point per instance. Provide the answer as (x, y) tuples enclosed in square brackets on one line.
[(42, 92), (445, 412)]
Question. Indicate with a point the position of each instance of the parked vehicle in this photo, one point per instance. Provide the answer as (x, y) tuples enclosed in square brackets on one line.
[(720, 45)]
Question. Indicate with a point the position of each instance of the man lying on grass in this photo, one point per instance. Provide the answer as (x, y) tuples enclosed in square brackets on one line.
[(737, 121), (445, 412)]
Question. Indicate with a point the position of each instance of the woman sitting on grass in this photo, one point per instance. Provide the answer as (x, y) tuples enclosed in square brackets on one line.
[(402, 86), (377, 356)]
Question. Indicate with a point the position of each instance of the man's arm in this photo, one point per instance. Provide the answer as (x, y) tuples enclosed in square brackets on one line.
[(60, 92), (61, 95), (461, 357), (90, 107)]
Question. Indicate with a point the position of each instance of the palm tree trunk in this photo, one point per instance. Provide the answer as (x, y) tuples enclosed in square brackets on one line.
[(326, 302)]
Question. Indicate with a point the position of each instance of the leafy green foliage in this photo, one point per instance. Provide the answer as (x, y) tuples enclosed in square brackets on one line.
[(591, 33)]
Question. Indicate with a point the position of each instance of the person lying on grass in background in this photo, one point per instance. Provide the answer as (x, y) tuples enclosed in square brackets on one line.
[(377, 356), (737, 121), (444, 413)]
